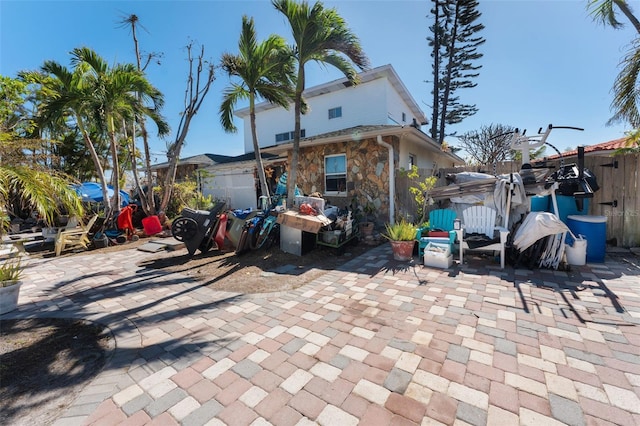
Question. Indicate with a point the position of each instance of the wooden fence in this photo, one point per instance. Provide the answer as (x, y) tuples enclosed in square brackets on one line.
[(618, 197)]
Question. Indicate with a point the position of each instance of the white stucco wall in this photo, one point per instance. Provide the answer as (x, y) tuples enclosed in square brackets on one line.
[(371, 103)]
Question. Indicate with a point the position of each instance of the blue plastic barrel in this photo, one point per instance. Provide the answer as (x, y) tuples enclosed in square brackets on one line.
[(540, 203), (568, 205), (594, 230)]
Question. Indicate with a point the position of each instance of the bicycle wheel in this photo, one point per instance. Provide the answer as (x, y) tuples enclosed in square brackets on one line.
[(254, 231), (273, 238), (265, 230)]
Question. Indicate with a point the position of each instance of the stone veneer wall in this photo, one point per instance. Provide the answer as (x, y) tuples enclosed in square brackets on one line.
[(367, 174)]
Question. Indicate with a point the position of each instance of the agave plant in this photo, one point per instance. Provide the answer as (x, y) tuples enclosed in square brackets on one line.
[(401, 231), (10, 272)]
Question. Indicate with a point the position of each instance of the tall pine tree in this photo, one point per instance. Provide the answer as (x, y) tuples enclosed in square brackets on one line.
[(454, 42)]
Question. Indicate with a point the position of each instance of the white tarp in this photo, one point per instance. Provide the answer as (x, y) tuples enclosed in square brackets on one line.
[(535, 226)]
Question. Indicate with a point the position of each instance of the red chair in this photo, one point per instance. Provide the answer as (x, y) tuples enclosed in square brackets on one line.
[(125, 223)]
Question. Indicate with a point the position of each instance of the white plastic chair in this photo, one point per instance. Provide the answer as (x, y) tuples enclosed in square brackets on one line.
[(482, 220)]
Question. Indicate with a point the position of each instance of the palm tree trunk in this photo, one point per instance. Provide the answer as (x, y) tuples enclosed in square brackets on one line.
[(624, 8), (96, 162), (295, 155), (256, 149), (115, 200)]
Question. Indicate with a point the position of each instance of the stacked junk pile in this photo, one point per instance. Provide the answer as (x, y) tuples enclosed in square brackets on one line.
[(545, 213), (249, 229)]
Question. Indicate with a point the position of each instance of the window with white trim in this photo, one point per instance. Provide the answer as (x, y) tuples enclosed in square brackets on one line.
[(335, 174), (335, 112)]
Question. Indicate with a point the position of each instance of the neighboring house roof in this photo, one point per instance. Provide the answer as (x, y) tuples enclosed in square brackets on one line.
[(365, 132), (341, 83), (206, 160), (593, 149)]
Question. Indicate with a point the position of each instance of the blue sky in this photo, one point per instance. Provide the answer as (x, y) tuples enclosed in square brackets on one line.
[(544, 61)]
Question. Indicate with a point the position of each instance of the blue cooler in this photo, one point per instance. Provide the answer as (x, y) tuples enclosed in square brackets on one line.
[(594, 230)]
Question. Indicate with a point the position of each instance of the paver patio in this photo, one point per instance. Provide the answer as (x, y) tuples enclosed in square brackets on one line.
[(378, 342)]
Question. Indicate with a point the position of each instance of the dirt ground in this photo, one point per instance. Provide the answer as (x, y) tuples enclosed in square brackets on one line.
[(44, 363), (260, 271)]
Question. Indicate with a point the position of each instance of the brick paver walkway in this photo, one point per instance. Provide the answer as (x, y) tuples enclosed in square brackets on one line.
[(379, 342)]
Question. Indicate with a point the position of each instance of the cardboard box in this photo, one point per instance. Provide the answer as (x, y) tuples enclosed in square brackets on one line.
[(306, 223)]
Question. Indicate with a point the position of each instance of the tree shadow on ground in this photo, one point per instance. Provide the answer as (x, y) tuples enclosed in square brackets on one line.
[(45, 362), (43, 359)]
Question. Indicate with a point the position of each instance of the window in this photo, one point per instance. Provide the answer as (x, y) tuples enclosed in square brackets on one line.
[(335, 173), (282, 137), (412, 161), (288, 136), (293, 134), (335, 112)]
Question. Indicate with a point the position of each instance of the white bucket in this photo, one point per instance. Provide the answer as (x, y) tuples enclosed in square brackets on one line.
[(577, 255)]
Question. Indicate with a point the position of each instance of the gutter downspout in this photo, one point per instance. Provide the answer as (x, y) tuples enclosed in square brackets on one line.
[(392, 180)]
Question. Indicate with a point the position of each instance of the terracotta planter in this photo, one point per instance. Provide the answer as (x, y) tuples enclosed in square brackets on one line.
[(366, 229), (9, 297), (402, 250)]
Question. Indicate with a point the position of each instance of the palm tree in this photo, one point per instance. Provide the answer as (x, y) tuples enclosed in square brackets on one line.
[(320, 35), (43, 190), (603, 11), (25, 181), (65, 102), (625, 87), (265, 70), (118, 93), (97, 96)]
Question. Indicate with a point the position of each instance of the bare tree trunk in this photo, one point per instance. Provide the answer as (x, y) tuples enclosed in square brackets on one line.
[(146, 198), (194, 96)]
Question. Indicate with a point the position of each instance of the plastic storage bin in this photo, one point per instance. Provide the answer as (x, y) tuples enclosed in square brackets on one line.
[(438, 255)]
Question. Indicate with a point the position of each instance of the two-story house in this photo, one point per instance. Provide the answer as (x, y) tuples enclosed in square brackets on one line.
[(354, 141)]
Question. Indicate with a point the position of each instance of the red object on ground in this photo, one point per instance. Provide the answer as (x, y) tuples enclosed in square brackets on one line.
[(220, 233), (151, 225), (124, 220)]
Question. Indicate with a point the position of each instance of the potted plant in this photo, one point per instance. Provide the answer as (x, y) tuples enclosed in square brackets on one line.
[(402, 236), (10, 273)]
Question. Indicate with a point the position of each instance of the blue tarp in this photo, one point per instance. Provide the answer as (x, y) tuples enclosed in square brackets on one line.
[(91, 192)]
